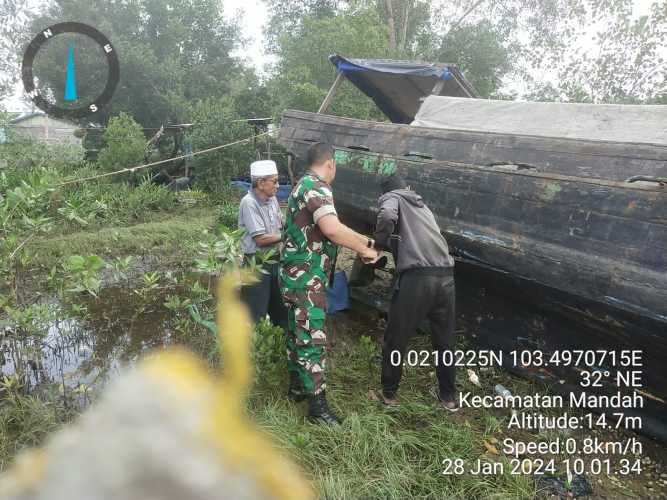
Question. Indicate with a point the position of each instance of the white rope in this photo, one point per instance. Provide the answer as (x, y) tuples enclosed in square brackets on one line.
[(139, 167)]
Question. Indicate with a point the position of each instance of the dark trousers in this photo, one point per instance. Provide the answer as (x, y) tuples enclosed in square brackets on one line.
[(421, 294), (265, 297)]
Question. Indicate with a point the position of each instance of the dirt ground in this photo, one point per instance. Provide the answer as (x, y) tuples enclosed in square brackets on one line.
[(651, 482)]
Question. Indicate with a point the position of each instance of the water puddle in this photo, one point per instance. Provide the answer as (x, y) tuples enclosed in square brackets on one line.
[(80, 353)]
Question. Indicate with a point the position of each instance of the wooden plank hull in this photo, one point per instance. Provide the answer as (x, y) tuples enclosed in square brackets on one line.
[(590, 254), (593, 159)]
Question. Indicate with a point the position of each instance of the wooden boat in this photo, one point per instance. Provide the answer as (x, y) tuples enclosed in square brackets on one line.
[(560, 240)]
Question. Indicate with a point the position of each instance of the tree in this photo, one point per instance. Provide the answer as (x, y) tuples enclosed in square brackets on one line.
[(407, 21), (170, 53), (628, 66), (303, 74), (13, 18), (479, 53), (398, 29), (553, 55), (215, 123), (124, 144), (287, 17)]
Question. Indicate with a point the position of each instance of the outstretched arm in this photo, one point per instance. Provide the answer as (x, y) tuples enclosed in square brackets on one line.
[(342, 235), (320, 203)]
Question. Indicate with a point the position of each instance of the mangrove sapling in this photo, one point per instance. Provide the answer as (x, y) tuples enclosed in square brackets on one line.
[(25, 207), (120, 268), (25, 328), (203, 331), (74, 212), (151, 283), (82, 274), (198, 292), (219, 253), (176, 304), (147, 197)]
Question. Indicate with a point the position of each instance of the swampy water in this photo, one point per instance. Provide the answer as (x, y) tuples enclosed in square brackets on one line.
[(82, 351)]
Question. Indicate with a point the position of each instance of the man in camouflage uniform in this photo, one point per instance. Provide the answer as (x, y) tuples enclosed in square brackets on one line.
[(310, 235)]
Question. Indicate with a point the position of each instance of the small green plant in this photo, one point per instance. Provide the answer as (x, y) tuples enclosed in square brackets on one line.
[(82, 274), (219, 253), (147, 196), (228, 215), (171, 278), (177, 304), (263, 257), (82, 211), (198, 291), (120, 267), (11, 384), (268, 352), (25, 206), (150, 284), (25, 328), (209, 342), (301, 440), (25, 420)]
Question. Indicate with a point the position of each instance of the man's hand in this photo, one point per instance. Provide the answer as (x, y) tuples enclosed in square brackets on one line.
[(369, 255), (342, 235)]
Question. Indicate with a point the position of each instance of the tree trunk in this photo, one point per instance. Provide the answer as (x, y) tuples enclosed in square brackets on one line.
[(406, 18), (392, 26)]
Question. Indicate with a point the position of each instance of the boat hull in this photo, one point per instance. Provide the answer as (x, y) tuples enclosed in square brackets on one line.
[(583, 158), (565, 261)]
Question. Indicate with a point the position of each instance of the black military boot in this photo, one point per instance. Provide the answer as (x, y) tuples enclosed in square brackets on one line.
[(294, 391), (319, 412)]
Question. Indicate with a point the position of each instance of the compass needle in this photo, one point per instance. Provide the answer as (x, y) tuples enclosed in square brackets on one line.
[(70, 82)]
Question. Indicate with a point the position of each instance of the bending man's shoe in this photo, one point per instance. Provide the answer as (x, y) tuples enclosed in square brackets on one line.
[(319, 411)]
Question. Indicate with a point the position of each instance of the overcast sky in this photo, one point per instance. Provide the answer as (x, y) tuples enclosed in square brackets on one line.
[(256, 15), (254, 19)]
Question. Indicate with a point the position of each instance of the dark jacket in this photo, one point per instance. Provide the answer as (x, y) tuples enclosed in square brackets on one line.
[(407, 227)]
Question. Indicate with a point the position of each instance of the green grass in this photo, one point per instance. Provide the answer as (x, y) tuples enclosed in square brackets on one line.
[(166, 233), (380, 452), (25, 420)]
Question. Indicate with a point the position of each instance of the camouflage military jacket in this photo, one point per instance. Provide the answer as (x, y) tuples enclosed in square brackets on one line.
[(307, 253)]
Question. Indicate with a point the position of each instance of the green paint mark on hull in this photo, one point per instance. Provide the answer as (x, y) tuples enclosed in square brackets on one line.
[(368, 163), (551, 190)]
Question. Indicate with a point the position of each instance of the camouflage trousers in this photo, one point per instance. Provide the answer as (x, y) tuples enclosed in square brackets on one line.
[(307, 338)]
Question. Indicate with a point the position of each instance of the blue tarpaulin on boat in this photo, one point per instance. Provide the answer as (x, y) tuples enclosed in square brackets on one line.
[(397, 87)]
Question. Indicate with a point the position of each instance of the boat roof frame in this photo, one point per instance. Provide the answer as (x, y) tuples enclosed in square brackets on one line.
[(380, 80)]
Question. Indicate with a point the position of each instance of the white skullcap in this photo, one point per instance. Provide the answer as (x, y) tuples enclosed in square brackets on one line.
[(263, 168)]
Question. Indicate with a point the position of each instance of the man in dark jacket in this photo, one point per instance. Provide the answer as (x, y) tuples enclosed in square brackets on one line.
[(424, 288)]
